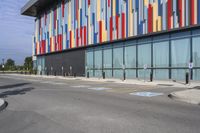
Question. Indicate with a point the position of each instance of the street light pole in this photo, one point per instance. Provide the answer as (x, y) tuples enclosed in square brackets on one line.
[(3, 65)]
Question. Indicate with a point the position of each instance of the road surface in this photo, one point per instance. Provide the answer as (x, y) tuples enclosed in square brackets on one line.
[(52, 105)]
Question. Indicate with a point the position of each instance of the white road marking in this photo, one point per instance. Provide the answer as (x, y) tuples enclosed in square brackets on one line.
[(99, 88), (146, 94), (81, 86), (53, 83)]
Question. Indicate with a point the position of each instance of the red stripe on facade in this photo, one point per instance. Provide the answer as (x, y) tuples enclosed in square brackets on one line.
[(77, 37), (111, 29), (60, 42), (55, 43), (85, 35), (117, 26), (180, 13), (70, 39), (81, 35), (63, 8), (100, 31), (169, 14), (77, 9), (192, 20), (123, 25), (50, 44), (150, 19)]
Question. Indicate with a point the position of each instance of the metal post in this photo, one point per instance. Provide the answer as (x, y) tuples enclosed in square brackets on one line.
[(62, 71), (151, 77), (187, 78), (104, 75), (70, 70), (3, 65), (51, 70)]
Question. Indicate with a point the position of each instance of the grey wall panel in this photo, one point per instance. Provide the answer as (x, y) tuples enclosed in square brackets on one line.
[(75, 59)]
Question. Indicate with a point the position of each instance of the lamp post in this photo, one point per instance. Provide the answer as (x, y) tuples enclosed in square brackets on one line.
[(3, 65)]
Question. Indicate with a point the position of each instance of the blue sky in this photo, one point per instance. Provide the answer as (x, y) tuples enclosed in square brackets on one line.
[(15, 31)]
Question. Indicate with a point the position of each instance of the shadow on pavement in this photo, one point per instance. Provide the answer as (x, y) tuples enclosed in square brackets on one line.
[(15, 92), (13, 85)]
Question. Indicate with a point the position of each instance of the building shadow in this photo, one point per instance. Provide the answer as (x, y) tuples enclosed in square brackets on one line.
[(15, 92), (13, 85)]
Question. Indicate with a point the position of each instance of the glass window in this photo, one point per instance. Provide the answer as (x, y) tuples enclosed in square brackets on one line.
[(130, 57), (196, 74), (98, 59), (98, 73), (144, 74), (130, 74), (161, 74), (107, 58), (179, 74), (180, 52), (144, 55), (118, 74), (196, 51), (118, 57), (180, 57), (161, 54), (108, 73), (89, 60)]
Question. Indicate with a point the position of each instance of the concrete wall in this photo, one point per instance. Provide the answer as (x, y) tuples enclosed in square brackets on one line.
[(75, 59)]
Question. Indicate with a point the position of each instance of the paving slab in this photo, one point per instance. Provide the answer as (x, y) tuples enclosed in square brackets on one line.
[(190, 96)]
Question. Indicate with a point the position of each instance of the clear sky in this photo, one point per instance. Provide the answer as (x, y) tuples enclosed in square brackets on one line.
[(15, 31)]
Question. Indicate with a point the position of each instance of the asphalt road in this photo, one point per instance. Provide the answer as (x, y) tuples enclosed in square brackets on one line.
[(51, 105)]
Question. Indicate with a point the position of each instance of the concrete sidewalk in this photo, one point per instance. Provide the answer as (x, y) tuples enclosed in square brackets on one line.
[(166, 83), (190, 96), (2, 104)]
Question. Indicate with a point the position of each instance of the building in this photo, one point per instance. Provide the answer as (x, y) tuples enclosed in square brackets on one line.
[(118, 38)]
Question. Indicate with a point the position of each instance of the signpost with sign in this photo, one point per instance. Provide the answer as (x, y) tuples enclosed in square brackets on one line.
[(190, 66), (145, 70)]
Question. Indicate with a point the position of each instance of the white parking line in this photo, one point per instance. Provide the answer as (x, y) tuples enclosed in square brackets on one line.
[(81, 86), (53, 83), (146, 94), (99, 88)]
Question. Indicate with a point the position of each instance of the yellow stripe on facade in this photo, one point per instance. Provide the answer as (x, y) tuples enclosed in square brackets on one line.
[(130, 19), (69, 16), (155, 15), (98, 10), (146, 3), (114, 7)]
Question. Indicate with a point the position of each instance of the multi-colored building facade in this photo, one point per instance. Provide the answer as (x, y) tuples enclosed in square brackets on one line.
[(64, 26)]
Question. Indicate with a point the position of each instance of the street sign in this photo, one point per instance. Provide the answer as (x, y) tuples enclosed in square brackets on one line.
[(3, 66), (191, 65), (145, 66)]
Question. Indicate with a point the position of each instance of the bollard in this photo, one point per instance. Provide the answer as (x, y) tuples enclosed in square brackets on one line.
[(187, 78), (104, 75), (74, 75), (124, 75), (151, 77), (88, 75), (55, 73)]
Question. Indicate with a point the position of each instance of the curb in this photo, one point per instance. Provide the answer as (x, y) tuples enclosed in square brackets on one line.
[(175, 97), (3, 105)]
